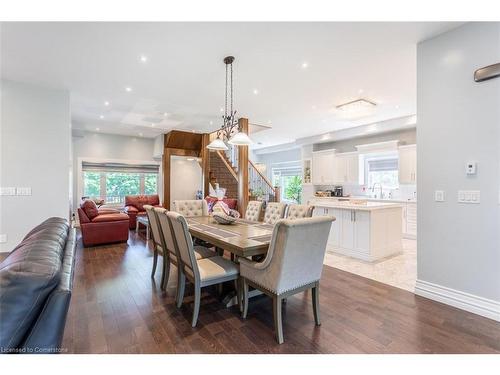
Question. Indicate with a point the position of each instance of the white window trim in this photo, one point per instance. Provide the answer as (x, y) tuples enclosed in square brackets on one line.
[(81, 160)]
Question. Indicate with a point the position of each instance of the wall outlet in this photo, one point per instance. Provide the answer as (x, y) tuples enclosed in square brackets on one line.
[(7, 191), (3, 238), (469, 196), (24, 191), (439, 196)]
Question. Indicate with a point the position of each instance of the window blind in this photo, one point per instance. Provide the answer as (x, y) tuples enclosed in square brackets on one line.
[(382, 165), (120, 167)]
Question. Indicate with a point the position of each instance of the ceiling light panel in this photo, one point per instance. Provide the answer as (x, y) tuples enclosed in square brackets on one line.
[(356, 109)]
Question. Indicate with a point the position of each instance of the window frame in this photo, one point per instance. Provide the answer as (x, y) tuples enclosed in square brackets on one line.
[(388, 155)]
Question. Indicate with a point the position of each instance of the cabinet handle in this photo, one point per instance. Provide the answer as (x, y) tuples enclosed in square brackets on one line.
[(354, 215)]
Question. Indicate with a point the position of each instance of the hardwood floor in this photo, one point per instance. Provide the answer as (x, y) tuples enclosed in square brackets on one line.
[(117, 308)]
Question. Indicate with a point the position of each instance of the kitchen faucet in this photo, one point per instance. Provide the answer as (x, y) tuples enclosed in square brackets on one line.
[(381, 190)]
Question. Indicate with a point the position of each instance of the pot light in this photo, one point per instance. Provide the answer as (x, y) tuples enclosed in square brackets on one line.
[(128, 89), (152, 125), (190, 159), (101, 117), (97, 129), (106, 104), (143, 58), (305, 65), (255, 92), (165, 114), (140, 134), (211, 122)]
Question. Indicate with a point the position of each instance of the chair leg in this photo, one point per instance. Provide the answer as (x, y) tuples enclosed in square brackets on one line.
[(278, 324), (315, 303), (245, 297), (181, 284), (196, 308), (166, 272), (155, 261)]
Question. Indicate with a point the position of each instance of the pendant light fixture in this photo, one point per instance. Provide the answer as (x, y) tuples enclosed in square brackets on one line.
[(230, 130)]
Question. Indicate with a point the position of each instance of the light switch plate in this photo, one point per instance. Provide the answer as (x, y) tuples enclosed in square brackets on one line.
[(3, 238), (25, 191), (7, 191), (439, 196), (469, 196)]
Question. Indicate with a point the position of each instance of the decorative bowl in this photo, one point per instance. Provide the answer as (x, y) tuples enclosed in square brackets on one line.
[(222, 218)]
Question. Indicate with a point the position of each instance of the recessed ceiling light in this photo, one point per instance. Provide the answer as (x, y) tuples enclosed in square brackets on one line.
[(101, 117), (128, 89), (255, 92), (221, 109), (143, 58), (152, 125), (397, 107), (305, 65), (97, 129), (193, 131), (190, 159), (211, 122), (106, 103), (360, 91), (140, 134), (313, 107), (268, 121), (165, 114)]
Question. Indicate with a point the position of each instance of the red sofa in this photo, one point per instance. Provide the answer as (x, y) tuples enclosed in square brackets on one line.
[(102, 226), (134, 206), (231, 203)]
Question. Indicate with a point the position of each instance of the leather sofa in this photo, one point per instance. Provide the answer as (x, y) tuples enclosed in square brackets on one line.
[(36, 281), (102, 226), (134, 206)]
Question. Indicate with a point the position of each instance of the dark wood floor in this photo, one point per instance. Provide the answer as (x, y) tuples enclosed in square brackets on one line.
[(117, 308)]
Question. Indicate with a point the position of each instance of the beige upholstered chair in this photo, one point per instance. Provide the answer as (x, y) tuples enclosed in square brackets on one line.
[(253, 211), (190, 208), (274, 212), (299, 211), (293, 264), (169, 244), (201, 272), (158, 244)]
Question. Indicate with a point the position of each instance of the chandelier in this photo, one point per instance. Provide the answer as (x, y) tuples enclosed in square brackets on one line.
[(230, 131)]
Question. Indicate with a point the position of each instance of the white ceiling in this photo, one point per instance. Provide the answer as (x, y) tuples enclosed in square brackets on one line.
[(184, 74)]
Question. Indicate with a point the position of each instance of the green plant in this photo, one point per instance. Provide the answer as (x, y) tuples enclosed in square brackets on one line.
[(293, 189)]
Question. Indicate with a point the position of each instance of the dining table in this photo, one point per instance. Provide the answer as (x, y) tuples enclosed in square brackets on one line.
[(242, 238)]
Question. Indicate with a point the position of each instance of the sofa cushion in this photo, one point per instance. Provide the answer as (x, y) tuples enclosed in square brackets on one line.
[(90, 208), (110, 217), (232, 203), (138, 201), (27, 276)]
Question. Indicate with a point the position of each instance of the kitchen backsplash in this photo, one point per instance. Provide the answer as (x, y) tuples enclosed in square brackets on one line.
[(404, 192)]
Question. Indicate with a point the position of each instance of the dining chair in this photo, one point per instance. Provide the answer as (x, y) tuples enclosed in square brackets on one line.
[(201, 272), (169, 244), (274, 212), (158, 245), (253, 210), (298, 211), (191, 208), (287, 269)]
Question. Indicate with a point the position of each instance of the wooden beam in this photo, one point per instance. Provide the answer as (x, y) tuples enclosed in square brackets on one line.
[(243, 170), (205, 163)]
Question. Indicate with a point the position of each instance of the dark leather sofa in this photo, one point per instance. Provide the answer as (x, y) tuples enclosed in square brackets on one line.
[(36, 281)]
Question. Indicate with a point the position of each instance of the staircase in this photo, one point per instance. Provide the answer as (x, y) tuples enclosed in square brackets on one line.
[(259, 186), (223, 173)]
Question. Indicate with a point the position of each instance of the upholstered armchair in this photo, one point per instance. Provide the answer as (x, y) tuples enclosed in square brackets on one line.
[(134, 206), (191, 208), (274, 212), (293, 264), (299, 211), (253, 211)]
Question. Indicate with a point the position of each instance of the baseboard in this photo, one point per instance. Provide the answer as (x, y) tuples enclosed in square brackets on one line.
[(461, 300)]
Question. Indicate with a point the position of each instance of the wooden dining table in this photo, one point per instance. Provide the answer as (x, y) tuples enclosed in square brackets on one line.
[(243, 238)]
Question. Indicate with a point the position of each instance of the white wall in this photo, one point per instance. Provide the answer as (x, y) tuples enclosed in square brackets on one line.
[(279, 159), (185, 178), (458, 121), (106, 147), (35, 152)]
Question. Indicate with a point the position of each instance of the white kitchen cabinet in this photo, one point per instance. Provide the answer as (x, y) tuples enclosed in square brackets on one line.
[(408, 164), (323, 167), (347, 168), (367, 234)]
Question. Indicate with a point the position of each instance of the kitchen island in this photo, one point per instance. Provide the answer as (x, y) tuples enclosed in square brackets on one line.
[(363, 229)]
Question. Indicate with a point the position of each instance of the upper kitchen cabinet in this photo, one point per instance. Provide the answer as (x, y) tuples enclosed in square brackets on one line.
[(323, 167), (408, 164), (347, 170)]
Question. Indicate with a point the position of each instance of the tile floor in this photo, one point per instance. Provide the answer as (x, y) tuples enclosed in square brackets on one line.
[(399, 271)]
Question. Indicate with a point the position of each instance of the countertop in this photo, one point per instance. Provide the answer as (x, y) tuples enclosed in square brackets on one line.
[(347, 205), (388, 200)]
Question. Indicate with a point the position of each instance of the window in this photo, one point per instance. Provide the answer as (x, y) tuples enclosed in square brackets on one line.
[(289, 179), (382, 169), (112, 181)]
